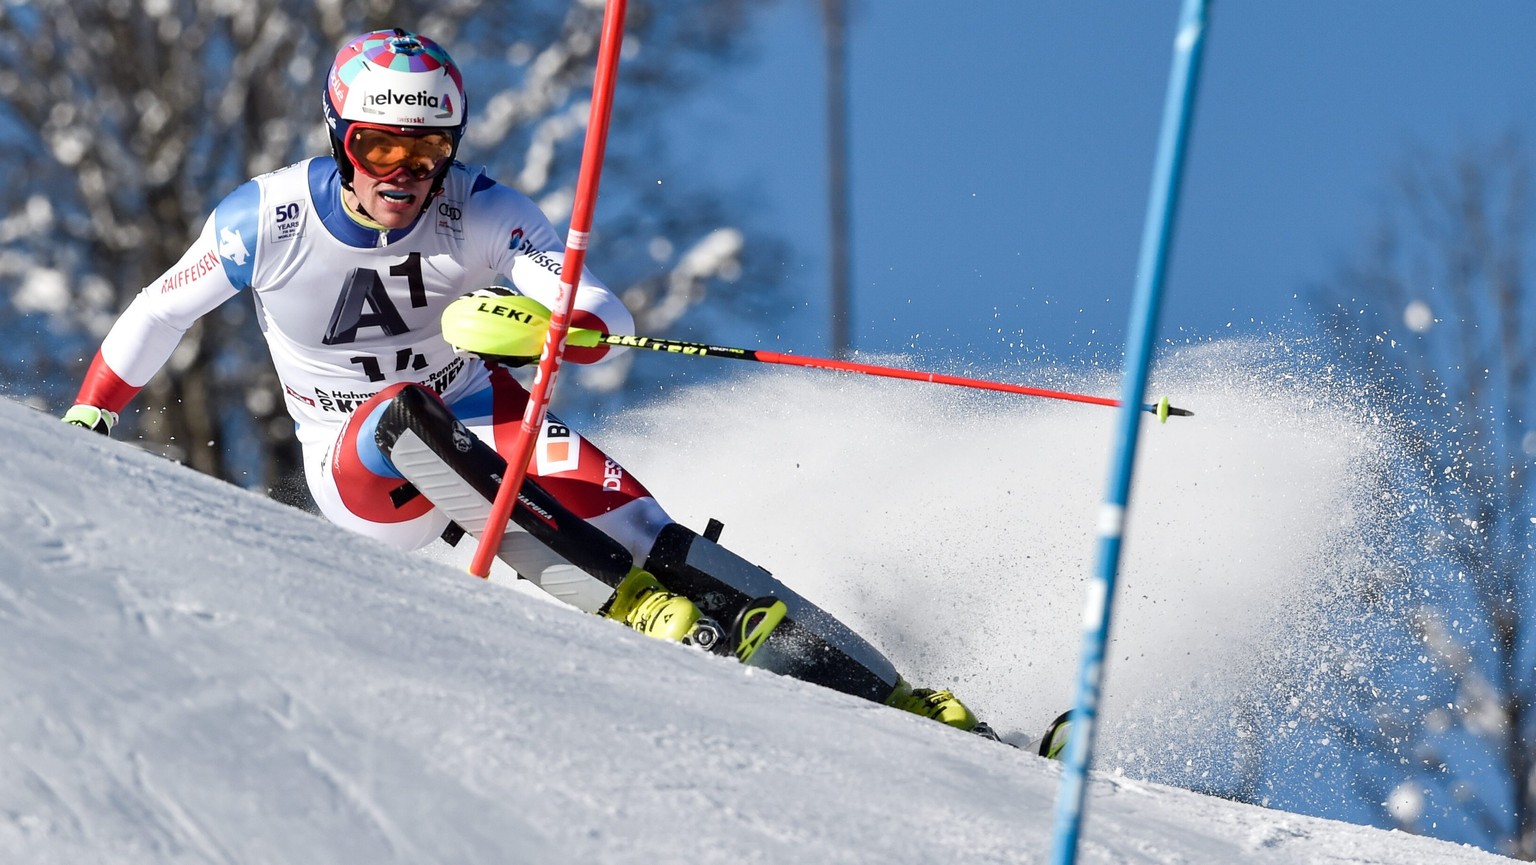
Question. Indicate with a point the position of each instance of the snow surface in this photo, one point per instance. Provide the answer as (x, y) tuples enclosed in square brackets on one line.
[(192, 673)]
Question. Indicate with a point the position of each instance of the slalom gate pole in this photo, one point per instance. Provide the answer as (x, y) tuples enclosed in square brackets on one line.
[(698, 349), (570, 275), (1155, 242)]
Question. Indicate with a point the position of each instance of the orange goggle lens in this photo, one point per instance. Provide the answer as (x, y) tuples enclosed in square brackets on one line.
[(381, 153)]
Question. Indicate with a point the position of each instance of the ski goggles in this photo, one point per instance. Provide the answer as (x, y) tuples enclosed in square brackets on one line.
[(381, 153)]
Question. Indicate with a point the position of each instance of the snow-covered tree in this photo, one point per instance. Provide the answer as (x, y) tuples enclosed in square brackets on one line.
[(1434, 316)]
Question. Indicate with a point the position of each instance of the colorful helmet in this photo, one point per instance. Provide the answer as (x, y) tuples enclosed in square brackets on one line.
[(396, 80)]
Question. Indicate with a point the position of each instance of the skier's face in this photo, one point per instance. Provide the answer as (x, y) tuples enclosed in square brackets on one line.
[(395, 202)]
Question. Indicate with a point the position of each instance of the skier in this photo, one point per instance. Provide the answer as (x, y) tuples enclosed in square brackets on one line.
[(358, 265)]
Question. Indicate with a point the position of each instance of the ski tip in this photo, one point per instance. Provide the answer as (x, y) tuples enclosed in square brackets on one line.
[(1054, 742)]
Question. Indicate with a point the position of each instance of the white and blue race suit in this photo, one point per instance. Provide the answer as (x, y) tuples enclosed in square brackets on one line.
[(352, 313)]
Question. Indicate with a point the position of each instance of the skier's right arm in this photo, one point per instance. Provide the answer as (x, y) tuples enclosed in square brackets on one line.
[(148, 331)]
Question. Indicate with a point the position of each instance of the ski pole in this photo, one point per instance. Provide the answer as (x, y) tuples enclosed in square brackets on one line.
[(560, 317), (1161, 408), (1156, 241)]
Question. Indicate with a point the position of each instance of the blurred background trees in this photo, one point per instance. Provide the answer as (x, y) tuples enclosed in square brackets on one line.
[(126, 122), (1432, 317)]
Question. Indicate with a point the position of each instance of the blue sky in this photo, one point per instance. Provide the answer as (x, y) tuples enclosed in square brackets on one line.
[(1001, 158)]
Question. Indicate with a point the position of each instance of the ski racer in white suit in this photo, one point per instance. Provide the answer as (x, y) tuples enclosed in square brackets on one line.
[(352, 261)]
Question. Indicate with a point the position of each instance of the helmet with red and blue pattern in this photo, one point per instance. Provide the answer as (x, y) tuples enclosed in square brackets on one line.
[(395, 80)]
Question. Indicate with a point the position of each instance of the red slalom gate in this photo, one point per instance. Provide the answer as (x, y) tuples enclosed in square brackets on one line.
[(570, 275)]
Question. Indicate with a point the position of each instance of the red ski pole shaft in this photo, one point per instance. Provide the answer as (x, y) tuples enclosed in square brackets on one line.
[(675, 346), (560, 317)]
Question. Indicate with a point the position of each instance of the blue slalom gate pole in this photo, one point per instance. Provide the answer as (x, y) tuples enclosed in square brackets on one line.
[(1155, 241)]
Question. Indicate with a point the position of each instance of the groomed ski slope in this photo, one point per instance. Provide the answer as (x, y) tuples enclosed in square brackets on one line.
[(190, 673)]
